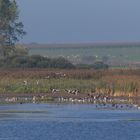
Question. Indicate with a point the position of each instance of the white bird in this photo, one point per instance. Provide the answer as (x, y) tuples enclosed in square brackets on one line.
[(55, 90), (25, 82), (37, 82)]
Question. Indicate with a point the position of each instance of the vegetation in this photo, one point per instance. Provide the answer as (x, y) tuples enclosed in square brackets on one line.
[(34, 61), (97, 66), (123, 55), (10, 28), (110, 82), (91, 76), (17, 56)]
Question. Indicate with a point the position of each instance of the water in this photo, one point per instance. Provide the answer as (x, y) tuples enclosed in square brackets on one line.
[(68, 122)]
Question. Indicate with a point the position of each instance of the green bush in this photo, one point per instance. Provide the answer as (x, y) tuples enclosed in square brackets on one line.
[(35, 61), (96, 65), (100, 65)]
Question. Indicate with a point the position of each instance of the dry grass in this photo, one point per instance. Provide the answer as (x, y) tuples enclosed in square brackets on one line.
[(111, 82)]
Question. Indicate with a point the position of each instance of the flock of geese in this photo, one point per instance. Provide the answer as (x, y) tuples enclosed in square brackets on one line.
[(103, 104), (100, 100)]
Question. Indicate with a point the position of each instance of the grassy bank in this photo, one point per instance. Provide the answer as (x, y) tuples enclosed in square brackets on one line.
[(110, 82)]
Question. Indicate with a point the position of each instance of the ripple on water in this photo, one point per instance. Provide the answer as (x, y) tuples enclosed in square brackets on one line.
[(69, 122)]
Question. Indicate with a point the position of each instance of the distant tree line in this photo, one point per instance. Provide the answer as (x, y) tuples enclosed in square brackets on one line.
[(21, 59), (97, 66), (35, 61)]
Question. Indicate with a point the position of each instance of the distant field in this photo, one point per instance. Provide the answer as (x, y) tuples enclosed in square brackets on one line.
[(113, 54)]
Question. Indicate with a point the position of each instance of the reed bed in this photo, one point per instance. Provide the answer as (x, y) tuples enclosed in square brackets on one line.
[(111, 82)]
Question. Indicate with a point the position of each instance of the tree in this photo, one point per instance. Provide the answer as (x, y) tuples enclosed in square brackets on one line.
[(100, 65), (10, 28)]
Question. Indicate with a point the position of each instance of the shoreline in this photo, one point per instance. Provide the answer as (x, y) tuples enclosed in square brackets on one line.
[(112, 103), (72, 86)]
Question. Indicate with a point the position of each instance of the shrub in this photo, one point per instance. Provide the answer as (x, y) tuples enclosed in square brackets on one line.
[(35, 61), (100, 65), (96, 65)]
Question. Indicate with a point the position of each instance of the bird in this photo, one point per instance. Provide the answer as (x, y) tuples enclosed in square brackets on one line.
[(25, 82)]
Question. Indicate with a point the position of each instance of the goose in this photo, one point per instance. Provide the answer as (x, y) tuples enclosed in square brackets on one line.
[(55, 90), (25, 82)]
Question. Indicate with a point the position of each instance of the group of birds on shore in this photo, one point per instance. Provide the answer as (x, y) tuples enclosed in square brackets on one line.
[(72, 96), (97, 103)]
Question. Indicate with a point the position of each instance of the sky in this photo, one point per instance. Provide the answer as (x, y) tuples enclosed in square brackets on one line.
[(76, 21)]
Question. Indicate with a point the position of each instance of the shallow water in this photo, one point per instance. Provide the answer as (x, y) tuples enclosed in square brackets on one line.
[(68, 122)]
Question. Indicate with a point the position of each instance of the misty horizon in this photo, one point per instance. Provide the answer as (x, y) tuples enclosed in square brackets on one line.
[(51, 21)]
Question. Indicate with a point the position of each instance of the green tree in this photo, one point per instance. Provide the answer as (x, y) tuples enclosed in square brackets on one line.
[(10, 27)]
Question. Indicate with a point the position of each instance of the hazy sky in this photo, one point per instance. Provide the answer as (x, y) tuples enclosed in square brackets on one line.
[(53, 21)]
